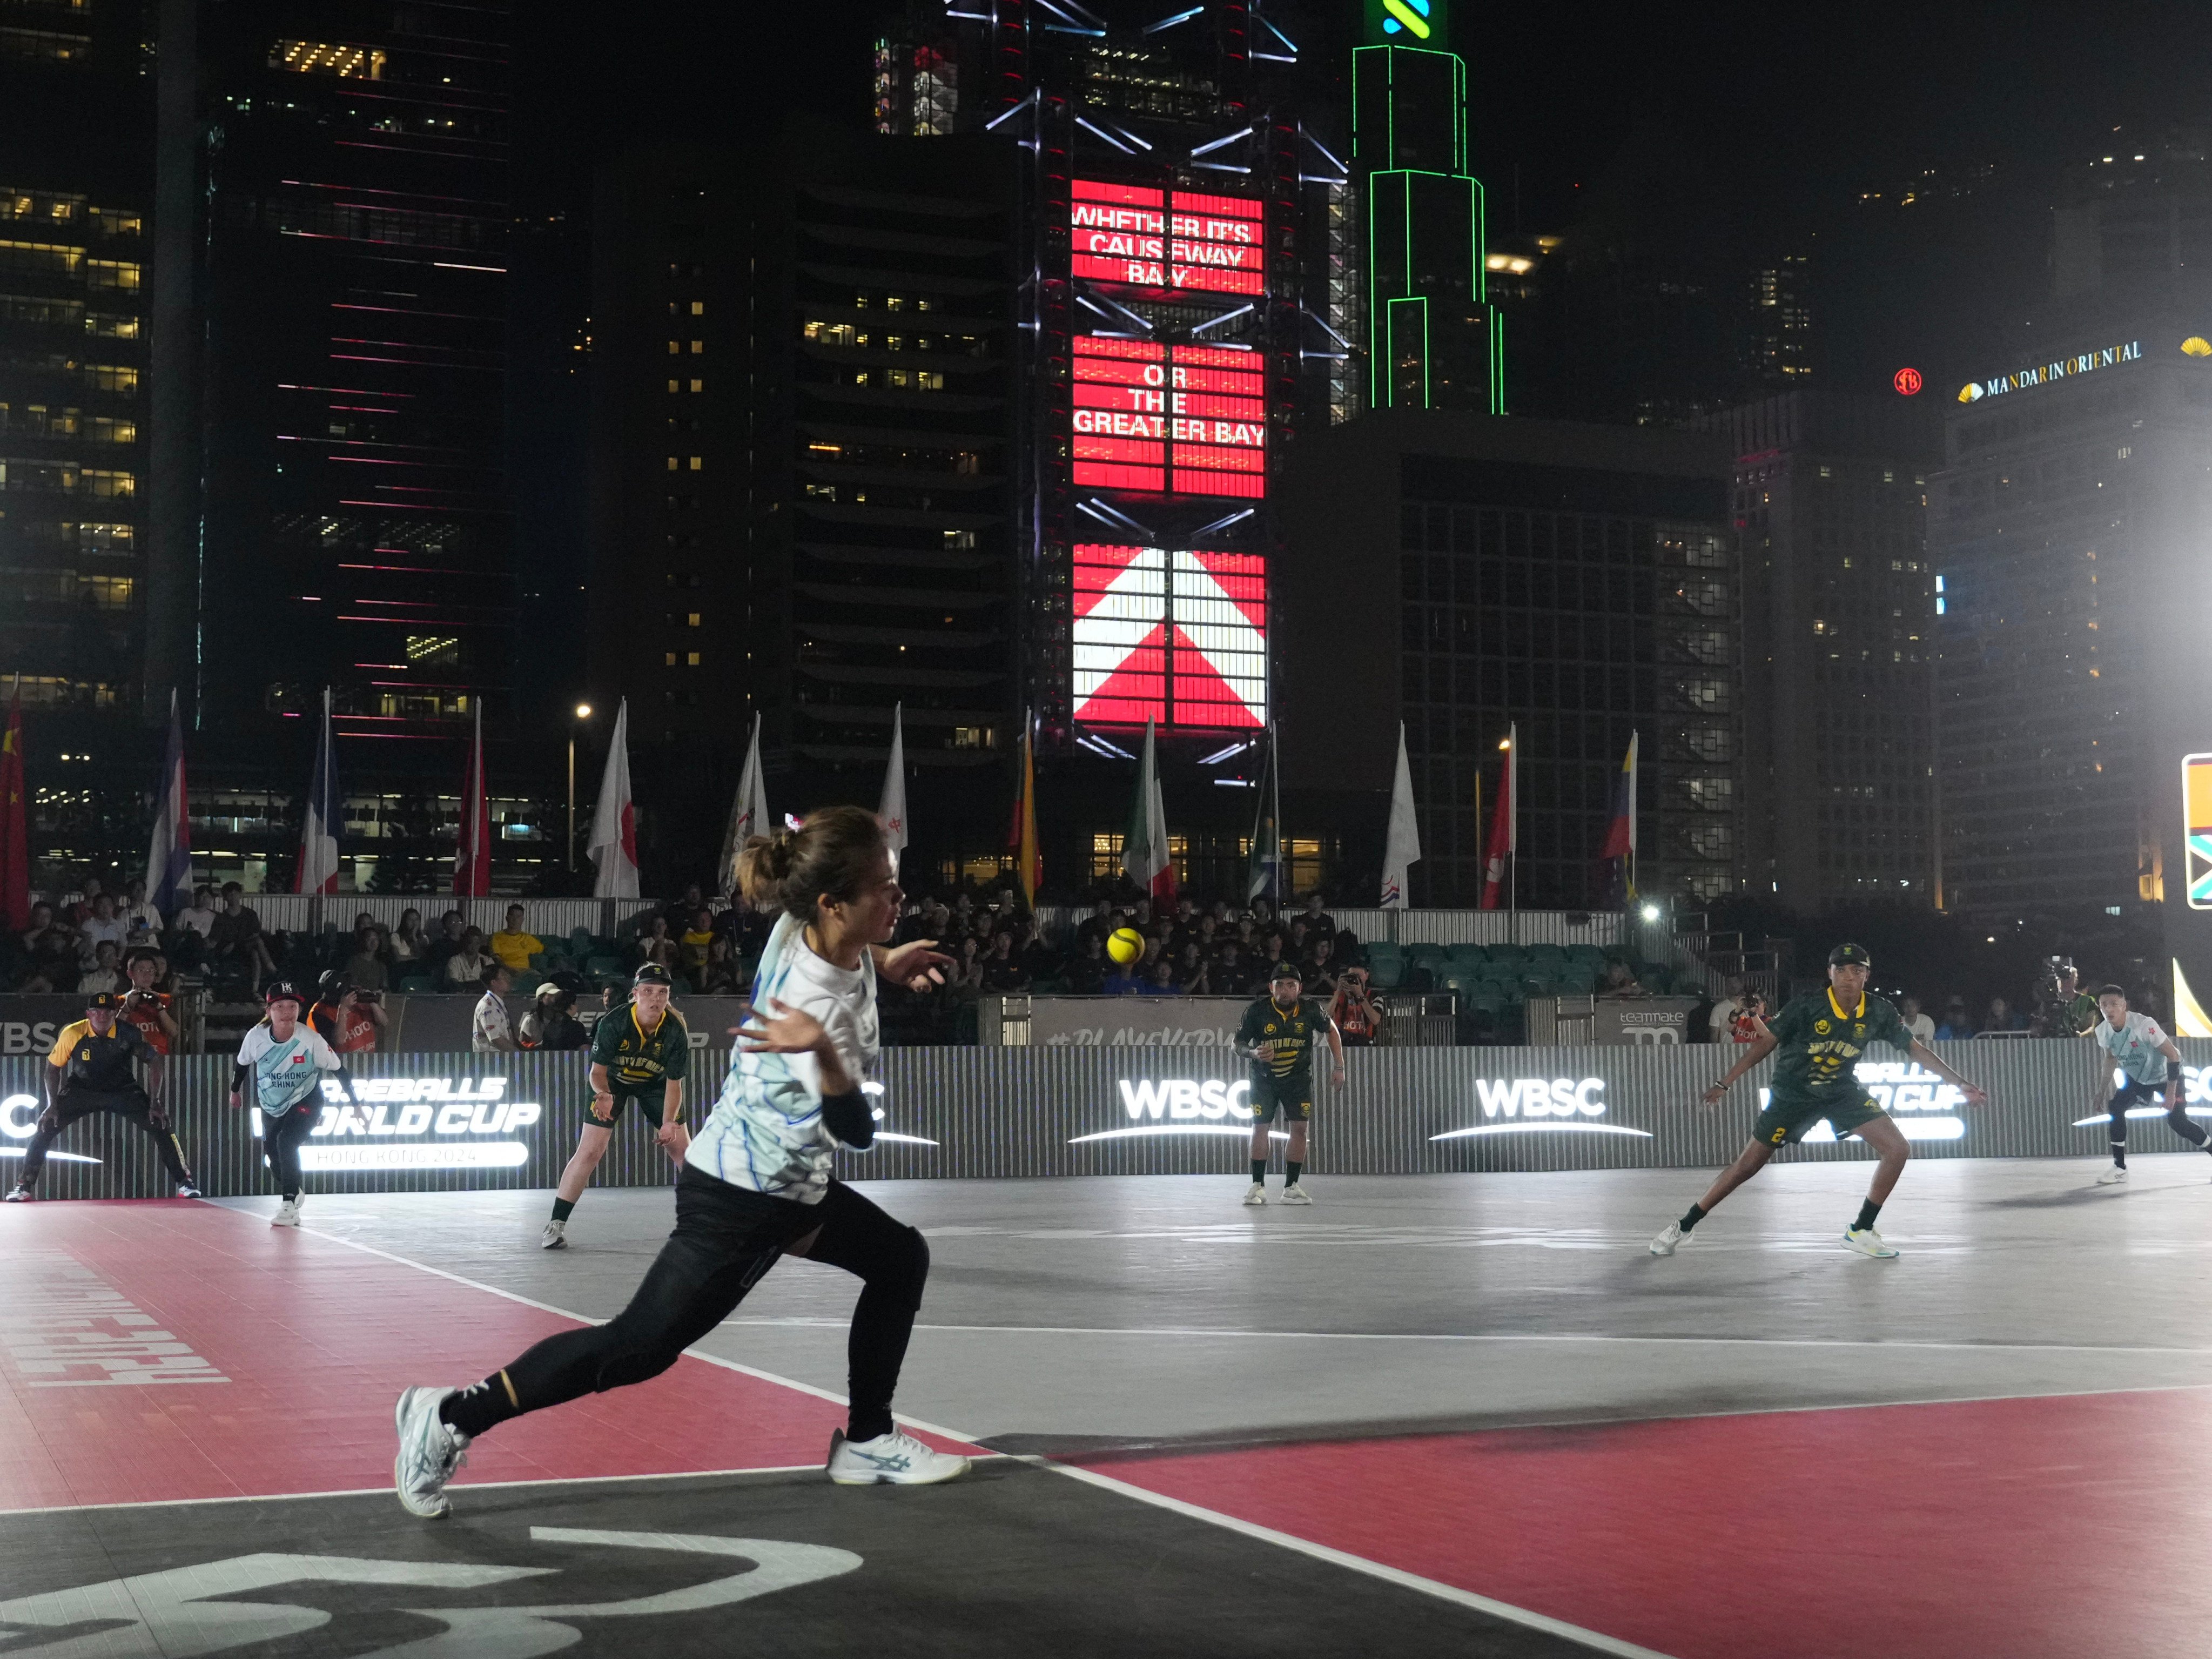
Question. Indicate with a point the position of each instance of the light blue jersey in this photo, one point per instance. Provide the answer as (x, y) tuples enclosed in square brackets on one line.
[(285, 1073), (766, 1131), (2136, 1045)]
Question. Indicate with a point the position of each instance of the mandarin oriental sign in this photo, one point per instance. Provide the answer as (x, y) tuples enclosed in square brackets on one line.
[(2044, 373)]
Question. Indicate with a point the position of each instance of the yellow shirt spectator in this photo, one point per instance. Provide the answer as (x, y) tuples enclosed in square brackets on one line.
[(514, 947)]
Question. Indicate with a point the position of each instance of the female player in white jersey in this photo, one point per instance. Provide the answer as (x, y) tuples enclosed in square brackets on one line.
[(2151, 1066), (288, 1060), (755, 1183)]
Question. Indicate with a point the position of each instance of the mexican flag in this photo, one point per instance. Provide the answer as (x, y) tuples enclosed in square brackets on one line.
[(1145, 848)]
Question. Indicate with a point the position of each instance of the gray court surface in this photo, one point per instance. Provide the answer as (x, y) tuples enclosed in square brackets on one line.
[(1153, 1311)]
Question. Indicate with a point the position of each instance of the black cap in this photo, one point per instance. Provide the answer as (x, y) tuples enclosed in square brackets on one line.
[(1284, 970), (103, 999), (651, 973), (283, 991), (1850, 956)]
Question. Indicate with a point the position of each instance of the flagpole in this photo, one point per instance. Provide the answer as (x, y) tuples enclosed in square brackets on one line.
[(1275, 766), (1513, 833)]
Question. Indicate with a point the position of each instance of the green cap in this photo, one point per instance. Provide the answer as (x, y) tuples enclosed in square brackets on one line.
[(651, 973), (1284, 970), (1854, 956)]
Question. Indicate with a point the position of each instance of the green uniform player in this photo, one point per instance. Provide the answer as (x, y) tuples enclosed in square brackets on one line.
[(1278, 1035), (640, 1052), (1817, 1041)]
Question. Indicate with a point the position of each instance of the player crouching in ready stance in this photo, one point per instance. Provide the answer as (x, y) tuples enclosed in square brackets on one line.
[(1817, 1040)]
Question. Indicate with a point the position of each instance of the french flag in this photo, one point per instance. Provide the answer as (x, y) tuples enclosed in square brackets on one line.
[(318, 835), (169, 855)]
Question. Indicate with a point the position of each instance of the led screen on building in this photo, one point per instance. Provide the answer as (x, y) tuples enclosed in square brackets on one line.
[(1167, 240), (1188, 419), (1173, 636)]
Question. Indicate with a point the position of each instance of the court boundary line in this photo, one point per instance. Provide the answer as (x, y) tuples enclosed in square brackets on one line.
[(386, 1491), (1506, 1611), (1498, 1336)]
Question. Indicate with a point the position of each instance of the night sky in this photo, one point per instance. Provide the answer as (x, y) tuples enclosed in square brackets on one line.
[(1780, 116)]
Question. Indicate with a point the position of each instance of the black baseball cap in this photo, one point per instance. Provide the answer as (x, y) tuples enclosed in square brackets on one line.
[(1284, 970), (651, 973), (283, 991), (1850, 956), (103, 999)]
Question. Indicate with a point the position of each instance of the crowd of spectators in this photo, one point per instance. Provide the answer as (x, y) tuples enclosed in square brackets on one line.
[(1193, 947), (2058, 1006)]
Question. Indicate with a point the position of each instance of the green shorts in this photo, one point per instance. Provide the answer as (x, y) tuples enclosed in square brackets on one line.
[(647, 1099), (1290, 1096), (1783, 1122)]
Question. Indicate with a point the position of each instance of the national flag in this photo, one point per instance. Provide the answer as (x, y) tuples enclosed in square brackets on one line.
[(14, 829), (1028, 868), (472, 844), (1401, 846), (614, 820), (1621, 834), (1503, 840), (892, 810), (318, 868), (169, 853), (747, 811), (1263, 875), (1144, 847)]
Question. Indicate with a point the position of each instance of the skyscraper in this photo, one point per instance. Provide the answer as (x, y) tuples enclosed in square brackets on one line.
[(341, 349), (77, 110), (1839, 645)]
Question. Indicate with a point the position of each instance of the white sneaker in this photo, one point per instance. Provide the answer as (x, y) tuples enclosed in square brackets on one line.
[(1867, 1242), (1671, 1237), (551, 1238), (1296, 1195), (188, 1191), (1256, 1193), (2112, 1177), (897, 1458), (18, 1193), (429, 1452), (287, 1214)]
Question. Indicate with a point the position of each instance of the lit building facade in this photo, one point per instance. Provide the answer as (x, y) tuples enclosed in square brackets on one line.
[(2065, 530), (339, 345), (75, 194), (1464, 575), (1839, 646)]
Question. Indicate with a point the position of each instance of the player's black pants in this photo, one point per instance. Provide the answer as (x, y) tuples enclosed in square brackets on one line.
[(725, 1238), (128, 1103), (2132, 1093), (280, 1139)]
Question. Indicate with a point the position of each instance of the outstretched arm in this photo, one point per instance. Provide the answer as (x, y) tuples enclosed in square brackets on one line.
[(1754, 1051), (1935, 1063)]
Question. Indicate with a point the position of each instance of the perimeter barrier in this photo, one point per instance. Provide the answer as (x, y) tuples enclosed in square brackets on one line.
[(455, 1122)]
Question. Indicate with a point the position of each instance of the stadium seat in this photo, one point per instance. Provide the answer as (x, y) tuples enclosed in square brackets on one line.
[(1389, 973), (415, 985), (606, 967)]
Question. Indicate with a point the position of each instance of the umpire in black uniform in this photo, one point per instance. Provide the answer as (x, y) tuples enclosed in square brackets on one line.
[(90, 1069)]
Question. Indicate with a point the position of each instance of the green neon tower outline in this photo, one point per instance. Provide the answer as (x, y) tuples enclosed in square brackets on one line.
[(1434, 340)]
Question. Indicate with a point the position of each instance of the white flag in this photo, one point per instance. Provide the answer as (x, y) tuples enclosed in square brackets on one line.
[(1401, 849), (892, 811), (1144, 846), (317, 869), (748, 813), (614, 820)]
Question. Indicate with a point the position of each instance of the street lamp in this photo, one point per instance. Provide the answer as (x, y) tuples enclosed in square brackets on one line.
[(583, 713)]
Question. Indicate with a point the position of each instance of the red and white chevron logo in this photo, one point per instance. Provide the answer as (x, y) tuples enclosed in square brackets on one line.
[(1178, 636)]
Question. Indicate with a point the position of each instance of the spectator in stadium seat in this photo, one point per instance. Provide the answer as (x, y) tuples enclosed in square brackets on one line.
[(514, 944), (407, 944), (1956, 1027), (725, 974), (237, 936), (106, 973), (137, 910), (1160, 981), (1922, 1027), (1316, 916), (50, 944), (103, 925), (1193, 971), (696, 939), (1230, 977), (1319, 968), (365, 969), (1086, 968), (469, 965), (1620, 981), (1039, 959), (1003, 973), (2002, 1018), (452, 926)]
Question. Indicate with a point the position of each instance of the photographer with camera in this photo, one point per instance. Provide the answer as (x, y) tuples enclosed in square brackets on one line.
[(352, 1020), (2062, 1008)]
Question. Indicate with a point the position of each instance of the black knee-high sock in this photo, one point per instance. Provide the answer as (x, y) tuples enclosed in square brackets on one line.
[(1291, 1170), (1258, 1171), (1868, 1211), (480, 1406), (2119, 1136)]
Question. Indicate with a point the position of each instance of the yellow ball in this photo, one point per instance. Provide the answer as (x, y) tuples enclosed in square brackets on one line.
[(1125, 944)]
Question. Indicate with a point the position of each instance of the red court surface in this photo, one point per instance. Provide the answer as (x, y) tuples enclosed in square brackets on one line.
[(2001, 1529), (312, 1341)]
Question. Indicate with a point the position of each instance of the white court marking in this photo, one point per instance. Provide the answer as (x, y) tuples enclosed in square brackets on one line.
[(1501, 1610)]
